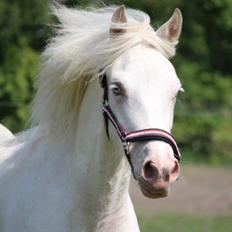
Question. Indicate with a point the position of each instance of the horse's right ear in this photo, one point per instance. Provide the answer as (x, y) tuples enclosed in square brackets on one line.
[(171, 30), (118, 21)]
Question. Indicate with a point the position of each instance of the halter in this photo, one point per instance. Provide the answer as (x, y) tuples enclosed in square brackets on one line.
[(151, 134)]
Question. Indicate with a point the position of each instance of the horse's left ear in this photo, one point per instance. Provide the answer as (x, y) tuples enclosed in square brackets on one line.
[(118, 20), (171, 30)]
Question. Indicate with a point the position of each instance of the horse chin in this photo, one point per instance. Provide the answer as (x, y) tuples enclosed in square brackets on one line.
[(154, 195), (152, 192)]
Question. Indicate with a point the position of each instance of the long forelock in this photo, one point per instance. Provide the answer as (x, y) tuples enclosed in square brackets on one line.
[(83, 46)]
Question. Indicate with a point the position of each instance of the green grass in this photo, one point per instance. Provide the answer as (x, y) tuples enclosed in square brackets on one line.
[(185, 223)]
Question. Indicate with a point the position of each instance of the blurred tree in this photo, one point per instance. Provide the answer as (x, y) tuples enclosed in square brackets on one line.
[(203, 121), (22, 34)]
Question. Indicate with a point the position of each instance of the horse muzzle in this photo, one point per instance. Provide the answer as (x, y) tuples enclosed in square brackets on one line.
[(155, 182)]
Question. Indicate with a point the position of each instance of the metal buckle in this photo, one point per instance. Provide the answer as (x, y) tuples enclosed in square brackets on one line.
[(126, 147)]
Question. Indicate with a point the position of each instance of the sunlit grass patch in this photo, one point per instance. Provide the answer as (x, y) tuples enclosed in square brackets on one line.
[(185, 223)]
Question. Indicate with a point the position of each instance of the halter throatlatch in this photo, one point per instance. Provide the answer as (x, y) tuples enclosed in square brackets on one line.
[(151, 134)]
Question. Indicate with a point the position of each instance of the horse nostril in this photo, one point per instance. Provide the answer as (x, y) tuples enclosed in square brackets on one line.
[(150, 171)]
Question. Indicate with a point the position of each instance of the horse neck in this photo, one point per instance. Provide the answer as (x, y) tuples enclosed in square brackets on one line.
[(103, 172)]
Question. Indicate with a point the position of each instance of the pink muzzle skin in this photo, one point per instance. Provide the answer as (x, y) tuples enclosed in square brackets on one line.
[(151, 134)]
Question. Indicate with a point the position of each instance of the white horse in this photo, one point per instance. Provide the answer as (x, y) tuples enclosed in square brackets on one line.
[(65, 174)]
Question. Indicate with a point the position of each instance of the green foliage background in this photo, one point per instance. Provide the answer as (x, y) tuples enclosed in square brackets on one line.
[(203, 122)]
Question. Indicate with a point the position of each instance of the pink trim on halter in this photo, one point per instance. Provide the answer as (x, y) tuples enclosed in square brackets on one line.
[(152, 133), (108, 113), (141, 135), (148, 132)]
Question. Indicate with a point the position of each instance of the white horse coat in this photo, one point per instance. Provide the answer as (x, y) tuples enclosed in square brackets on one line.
[(64, 175)]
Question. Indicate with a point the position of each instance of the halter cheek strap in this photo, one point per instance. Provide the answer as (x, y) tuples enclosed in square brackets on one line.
[(145, 135)]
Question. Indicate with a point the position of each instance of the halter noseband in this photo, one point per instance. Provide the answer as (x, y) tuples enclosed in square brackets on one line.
[(151, 134)]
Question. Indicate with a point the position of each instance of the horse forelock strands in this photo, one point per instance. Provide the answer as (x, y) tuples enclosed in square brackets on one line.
[(82, 46)]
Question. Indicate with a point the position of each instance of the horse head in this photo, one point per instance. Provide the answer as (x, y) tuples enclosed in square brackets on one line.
[(142, 87)]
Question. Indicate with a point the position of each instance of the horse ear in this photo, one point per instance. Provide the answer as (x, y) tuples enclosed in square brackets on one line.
[(171, 30), (119, 17)]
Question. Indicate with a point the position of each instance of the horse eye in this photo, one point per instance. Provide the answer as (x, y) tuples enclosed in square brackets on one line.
[(117, 89)]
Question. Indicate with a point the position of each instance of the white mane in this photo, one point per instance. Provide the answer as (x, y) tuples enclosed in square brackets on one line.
[(82, 46)]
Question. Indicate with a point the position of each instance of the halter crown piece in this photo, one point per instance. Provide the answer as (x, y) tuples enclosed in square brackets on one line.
[(151, 134)]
